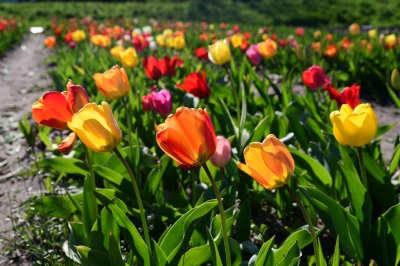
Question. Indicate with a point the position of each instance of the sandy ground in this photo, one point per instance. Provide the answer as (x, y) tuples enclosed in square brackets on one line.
[(23, 78)]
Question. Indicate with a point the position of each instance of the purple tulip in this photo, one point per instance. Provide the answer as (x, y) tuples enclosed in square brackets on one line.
[(162, 102), (253, 54)]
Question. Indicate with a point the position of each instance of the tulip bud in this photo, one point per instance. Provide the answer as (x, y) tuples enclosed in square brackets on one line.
[(268, 49), (68, 143), (223, 153), (219, 53), (116, 50), (96, 127), (300, 52), (162, 102), (372, 33), (395, 79), (179, 42), (354, 29), (147, 103), (254, 55), (72, 45), (114, 83), (129, 58)]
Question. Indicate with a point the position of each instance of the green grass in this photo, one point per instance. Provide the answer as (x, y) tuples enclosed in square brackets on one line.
[(316, 13)]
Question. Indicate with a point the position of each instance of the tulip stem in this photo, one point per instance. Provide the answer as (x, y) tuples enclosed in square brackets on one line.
[(135, 88), (92, 180), (308, 220), (129, 122), (221, 210), (235, 95), (138, 198), (362, 168)]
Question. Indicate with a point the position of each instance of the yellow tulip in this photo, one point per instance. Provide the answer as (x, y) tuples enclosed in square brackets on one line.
[(160, 39), (129, 58), (269, 163), (179, 42), (268, 49), (169, 41), (113, 83), (236, 40), (395, 79), (390, 40), (356, 127), (100, 40), (167, 33), (96, 127), (219, 52), (264, 36), (211, 27), (317, 34), (78, 36), (300, 52), (115, 51), (372, 33)]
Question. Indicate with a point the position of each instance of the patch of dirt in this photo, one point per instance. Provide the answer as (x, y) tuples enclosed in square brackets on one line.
[(23, 79)]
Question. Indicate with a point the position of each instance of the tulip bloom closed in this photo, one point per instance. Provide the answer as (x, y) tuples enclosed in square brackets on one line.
[(116, 50), (201, 53), (395, 79), (78, 36), (315, 78), (354, 29), (222, 154), (96, 127), (162, 102), (349, 95), (188, 137), (196, 84), (50, 42), (236, 40), (331, 51), (269, 163), (113, 83), (354, 128), (219, 53), (179, 42), (254, 55), (129, 58), (268, 49)]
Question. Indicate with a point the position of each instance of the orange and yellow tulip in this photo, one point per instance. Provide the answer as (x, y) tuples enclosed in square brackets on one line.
[(269, 163), (188, 137), (268, 49), (113, 83)]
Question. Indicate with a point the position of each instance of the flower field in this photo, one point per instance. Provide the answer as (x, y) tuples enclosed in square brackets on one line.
[(186, 143), (11, 31)]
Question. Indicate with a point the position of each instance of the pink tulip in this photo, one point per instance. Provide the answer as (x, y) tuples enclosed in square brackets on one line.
[(162, 102), (223, 153), (300, 31), (147, 102), (254, 55)]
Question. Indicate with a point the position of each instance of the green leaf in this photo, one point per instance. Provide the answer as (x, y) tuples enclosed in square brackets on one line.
[(333, 216), (91, 257), (129, 231), (174, 240), (383, 129), (65, 165), (346, 159), (233, 129), (291, 257), (159, 255), (360, 202), (214, 251), (315, 173), (266, 256), (301, 237), (155, 176), (235, 251), (336, 254), (243, 222), (75, 202), (259, 131), (114, 253), (322, 261), (100, 234), (394, 163), (89, 207), (55, 206), (118, 181), (394, 97), (293, 113), (76, 238), (243, 114)]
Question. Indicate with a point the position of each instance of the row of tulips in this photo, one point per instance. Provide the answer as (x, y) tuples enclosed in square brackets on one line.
[(183, 130), (11, 30)]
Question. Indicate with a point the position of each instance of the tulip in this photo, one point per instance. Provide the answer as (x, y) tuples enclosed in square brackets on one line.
[(162, 102), (395, 79), (160, 39), (245, 44), (329, 37), (269, 163), (315, 78), (264, 36), (168, 65), (222, 154), (113, 83), (201, 53), (236, 40), (100, 40), (196, 84), (147, 102), (72, 45), (78, 36), (68, 143), (54, 109), (349, 95), (129, 58), (390, 41), (116, 50), (268, 49), (50, 42), (282, 43), (179, 42), (331, 51), (96, 127), (151, 67), (219, 53), (167, 33), (300, 52), (356, 127), (254, 55), (188, 137), (317, 34), (316, 46), (354, 29), (372, 33), (153, 45), (300, 32)]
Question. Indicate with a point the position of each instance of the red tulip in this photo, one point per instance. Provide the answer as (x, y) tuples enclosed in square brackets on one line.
[(349, 95), (168, 66), (315, 78), (152, 67), (196, 84), (147, 103), (201, 53)]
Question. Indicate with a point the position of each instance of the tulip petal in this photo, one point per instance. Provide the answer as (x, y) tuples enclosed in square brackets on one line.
[(68, 143), (366, 107), (254, 160), (254, 174), (76, 98)]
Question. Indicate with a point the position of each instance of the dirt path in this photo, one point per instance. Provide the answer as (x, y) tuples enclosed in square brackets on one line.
[(23, 78)]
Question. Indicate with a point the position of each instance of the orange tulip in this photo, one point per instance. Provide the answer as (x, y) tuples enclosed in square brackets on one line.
[(50, 42), (54, 109), (316, 46), (188, 137), (331, 51), (269, 163), (113, 83), (268, 49)]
